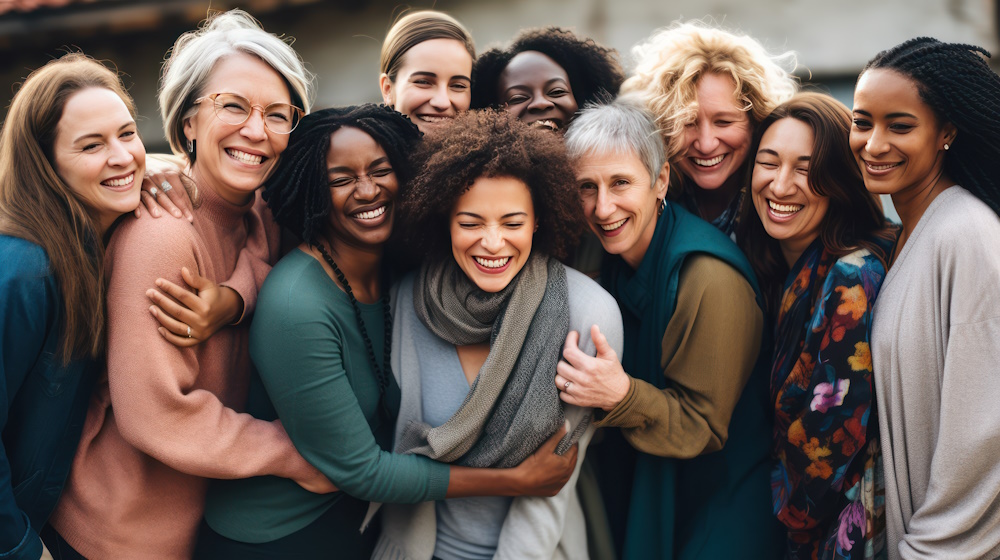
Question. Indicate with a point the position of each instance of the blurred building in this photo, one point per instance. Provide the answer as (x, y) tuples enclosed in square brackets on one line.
[(340, 39)]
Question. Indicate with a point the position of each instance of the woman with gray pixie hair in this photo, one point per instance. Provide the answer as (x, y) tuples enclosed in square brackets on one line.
[(686, 475), (162, 420)]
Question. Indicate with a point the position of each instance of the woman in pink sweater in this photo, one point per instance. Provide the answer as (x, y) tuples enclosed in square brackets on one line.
[(162, 421)]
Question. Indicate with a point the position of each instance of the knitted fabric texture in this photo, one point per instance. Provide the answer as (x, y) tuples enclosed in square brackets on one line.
[(509, 410)]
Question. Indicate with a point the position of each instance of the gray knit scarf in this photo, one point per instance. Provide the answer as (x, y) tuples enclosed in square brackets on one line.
[(513, 406)]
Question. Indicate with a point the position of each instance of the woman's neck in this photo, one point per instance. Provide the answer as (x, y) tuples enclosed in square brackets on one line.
[(713, 202), (205, 182), (360, 265), (911, 204)]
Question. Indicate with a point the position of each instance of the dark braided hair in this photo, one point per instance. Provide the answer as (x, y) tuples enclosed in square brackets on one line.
[(297, 192), (955, 81), (594, 71)]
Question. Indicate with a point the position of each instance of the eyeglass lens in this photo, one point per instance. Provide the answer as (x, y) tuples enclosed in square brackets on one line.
[(280, 118)]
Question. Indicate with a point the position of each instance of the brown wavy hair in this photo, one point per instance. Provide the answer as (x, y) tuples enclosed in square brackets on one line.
[(38, 206), (854, 219), (491, 143)]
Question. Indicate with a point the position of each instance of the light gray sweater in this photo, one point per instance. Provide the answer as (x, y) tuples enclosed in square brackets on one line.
[(533, 527), (936, 357)]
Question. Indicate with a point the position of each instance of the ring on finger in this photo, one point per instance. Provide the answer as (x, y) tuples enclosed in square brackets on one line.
[(189, 331), (566, 386), (154, 191), (166, 186)]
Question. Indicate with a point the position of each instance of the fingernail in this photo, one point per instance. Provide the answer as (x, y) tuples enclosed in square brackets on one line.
[(159, 282), (177, 213), (152, 309)]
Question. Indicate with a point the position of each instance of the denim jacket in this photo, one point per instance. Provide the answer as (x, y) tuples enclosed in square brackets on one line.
[(42, 401)]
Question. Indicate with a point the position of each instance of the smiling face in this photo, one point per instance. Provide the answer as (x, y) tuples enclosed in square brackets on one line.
[(233, 160), (363, 187), (536, 89), (492, 226), (99, 155), (718, 139), (786, 204), (896, 138), (433, 84), (620, 202)]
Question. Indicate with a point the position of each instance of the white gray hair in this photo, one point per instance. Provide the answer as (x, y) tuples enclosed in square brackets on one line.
[(621, 127), (190, 62)]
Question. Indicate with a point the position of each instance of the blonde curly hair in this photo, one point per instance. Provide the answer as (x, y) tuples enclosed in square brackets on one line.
[(672, 60)]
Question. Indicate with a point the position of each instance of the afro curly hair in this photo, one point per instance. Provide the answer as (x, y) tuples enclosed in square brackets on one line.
[(491, 143), (594, 71), (297, 192)]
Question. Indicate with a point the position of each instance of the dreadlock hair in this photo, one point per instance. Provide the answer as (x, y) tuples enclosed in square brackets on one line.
[(955, 81), (854, 217), (491, 143), (297, 191), (594, 71)]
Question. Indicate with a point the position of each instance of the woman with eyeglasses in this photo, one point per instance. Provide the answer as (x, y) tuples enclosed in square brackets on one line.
[(165, 418)]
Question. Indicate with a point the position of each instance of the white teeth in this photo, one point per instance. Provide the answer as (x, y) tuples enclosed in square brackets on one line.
[(371, 214), (709, 162), (882, 167), (546, 123), (614, 225), (433, 119), (784, 208), (492, 263), (244, 157), (119, 182)]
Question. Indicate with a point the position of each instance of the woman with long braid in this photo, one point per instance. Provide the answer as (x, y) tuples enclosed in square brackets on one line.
[(320, 341), (926, 131)]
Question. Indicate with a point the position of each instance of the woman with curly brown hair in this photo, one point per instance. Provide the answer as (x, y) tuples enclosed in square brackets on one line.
[(478, 331), (545, 76)]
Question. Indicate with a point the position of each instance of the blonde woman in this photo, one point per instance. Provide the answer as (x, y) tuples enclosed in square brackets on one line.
[(708, 89)]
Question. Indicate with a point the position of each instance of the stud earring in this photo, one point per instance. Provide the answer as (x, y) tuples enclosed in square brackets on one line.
[(946, 146)]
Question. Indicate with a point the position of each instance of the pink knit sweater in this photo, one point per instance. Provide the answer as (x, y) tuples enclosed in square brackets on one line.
[(165, 419)]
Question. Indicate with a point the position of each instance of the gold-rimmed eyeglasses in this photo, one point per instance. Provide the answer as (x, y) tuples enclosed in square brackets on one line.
[(231, 108)]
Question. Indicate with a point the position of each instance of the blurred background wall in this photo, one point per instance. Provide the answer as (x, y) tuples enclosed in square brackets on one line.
[(340, 39)]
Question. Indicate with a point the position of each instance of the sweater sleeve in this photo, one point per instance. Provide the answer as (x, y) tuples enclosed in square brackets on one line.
[(960, 513), (27, 307), (535, 526), (254, 262), (708, 353), (823, 406), (299, 353), (159, 406)]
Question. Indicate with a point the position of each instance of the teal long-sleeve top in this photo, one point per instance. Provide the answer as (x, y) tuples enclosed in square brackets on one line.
[(314, 373)]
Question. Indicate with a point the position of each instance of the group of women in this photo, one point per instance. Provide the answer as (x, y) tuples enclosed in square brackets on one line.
[(363, 341)]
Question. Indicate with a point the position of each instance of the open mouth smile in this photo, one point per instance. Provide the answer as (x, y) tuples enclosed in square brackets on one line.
[(244, 157), (710, 162)]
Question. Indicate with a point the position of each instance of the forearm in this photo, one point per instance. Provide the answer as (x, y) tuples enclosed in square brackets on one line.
[(464, 482)]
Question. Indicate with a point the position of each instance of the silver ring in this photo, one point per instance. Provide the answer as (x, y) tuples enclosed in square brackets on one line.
[(166, 186), (189, 331), (566, 386), (154, 191)]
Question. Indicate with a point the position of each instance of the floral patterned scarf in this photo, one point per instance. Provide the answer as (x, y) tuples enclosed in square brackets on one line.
[(828, 474)]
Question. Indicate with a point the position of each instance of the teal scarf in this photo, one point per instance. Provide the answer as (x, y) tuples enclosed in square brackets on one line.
[(716, 505)]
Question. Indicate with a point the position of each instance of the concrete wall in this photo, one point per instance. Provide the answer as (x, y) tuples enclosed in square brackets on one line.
[(341, 44)]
